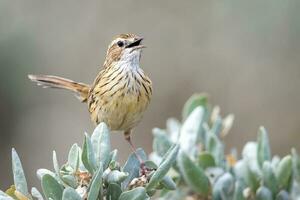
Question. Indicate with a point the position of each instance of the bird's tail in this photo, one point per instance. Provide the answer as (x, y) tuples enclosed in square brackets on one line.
[(80, 89)]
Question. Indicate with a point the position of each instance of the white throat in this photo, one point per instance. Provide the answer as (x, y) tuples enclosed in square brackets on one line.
[(130, 60)]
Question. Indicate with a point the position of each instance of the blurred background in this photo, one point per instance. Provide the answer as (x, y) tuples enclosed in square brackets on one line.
[(245, 54)]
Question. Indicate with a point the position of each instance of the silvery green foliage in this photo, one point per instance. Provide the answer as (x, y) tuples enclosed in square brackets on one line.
[(188, 162), (202, 169), (92, 173)]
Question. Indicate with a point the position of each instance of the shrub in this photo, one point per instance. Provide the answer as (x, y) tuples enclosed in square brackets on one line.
[(187, 162)]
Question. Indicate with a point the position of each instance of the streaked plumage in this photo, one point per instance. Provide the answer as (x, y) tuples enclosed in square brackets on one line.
[(120, 93)]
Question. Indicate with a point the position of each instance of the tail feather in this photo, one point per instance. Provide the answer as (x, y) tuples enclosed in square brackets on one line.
[(47, 81)]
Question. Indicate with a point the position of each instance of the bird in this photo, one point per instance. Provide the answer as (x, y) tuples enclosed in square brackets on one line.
[(120, 93)]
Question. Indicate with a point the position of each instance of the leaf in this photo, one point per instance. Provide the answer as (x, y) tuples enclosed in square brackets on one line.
[(243, 172), (101, 144), (96, 185), (115, 176), (161, 141), (263, 147), (88, 157), (224, 187), (4, 196), (295, 190), (217, 126), (190, 130), (70, 194), (113, 191), (168, 183), (296, 165), (138, 193), (150, 165), (35, 193), (18, 173), (193, 175), (263, 193), (283, 195), (251, 178), (167, 162), (275, 162), (69, 180), (173, 128), (284, 171), (269, 179), (249, 155), (132, 166), (227, 124), (206, 160), (193, 102), (51, 188), (55, 164), (175, 195), (213, 174), (113, 155), (215, 147), (73, 157), (238, 191)]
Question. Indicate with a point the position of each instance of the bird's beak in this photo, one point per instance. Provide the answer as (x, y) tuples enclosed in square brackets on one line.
[(136, 44)]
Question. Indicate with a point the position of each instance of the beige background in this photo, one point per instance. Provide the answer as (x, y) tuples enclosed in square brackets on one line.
[(245, 54)]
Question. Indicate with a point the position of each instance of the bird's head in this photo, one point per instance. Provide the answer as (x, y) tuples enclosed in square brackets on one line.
[(124, 48)]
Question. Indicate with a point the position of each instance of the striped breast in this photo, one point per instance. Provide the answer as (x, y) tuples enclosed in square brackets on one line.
[(119, 97)]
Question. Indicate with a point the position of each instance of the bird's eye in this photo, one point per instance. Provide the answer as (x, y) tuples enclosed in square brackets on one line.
[(120, 43)]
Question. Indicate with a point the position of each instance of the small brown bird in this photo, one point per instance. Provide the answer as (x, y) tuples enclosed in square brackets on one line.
[(121, 91)]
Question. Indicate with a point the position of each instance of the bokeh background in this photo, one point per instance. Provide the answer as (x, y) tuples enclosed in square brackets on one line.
[(245, 54)]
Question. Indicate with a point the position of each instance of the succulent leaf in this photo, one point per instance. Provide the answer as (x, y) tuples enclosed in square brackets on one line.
[(51, 188), (113, 191), (35, 193), (206, 160), (161, 142), (217, 126), (96, 185), (269, 179), (70, 194), (238, 190), (132, 166), (283, 195), (216, 149), (263, 193), (113, 155), (163, 168), (70, 180), (173, 128), (138, 193), (193, 175), (284, 171), (41, 172), (224, 187), (101, 144), (296, 165), (55, 163), (190, 130), (73, 157), (263, 147), (193, 102), (115, 176), (88, 156), (168, 183), (4, 196), (18, 173)]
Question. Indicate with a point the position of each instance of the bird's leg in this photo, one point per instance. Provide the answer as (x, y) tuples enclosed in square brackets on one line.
[(142, 163)]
